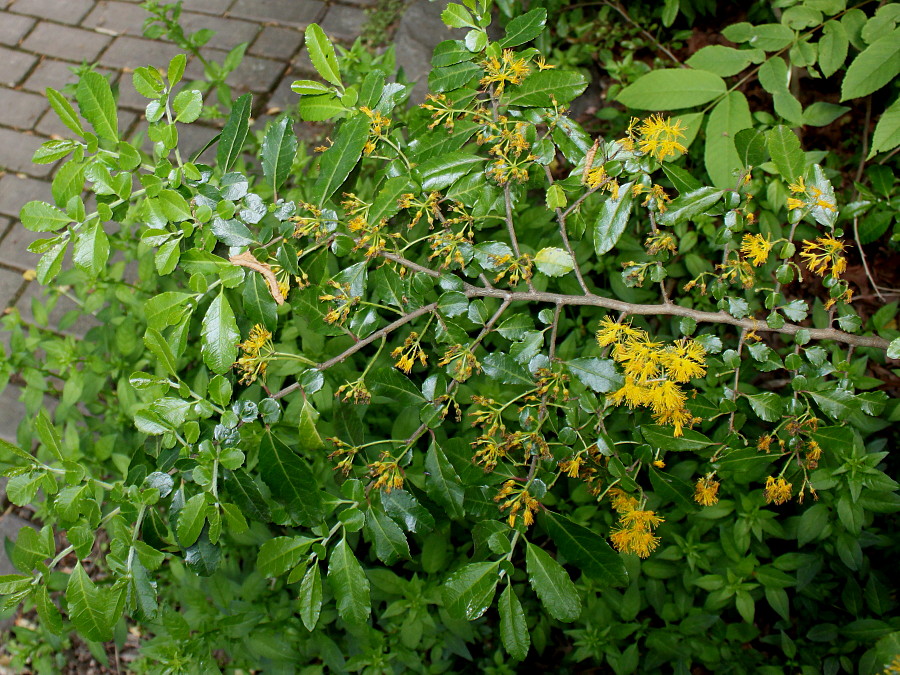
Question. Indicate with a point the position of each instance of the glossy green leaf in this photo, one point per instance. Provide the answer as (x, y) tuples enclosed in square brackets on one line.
[(390, 383), (407, 511), (191, 519), (443, 171), (552, 584), (97, 105), (586, 549), (513, 627), (554, 261), (524, 28), (90, 608), (349, 584), (220, 335), (664, 438), (91, 250), (338, 161), (277, 152), (64, 111), (310, 596), (612, 219), (390, 542), (468, 592), (874, 67), (231, 142), (279, 554), (290, 480), (505, 369), (40, 216), (542, 87), (321, 53), (670, 488), (887, 131), (687, 206), (784, 146), (672, 89), (443, 483), (187, 106), (731, 115), (599, 375)]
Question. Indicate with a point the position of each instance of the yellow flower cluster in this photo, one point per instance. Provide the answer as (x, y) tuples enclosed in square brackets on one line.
[(777, 490), (810, 196), (653, 371), (407, 354), (824, 256), (706, 491), (387, 473), (756, 248), (378, 126), (655, 136), (462, 362), (634, 532), (522, 502), (257, 350), (508, 68), (345, 454)]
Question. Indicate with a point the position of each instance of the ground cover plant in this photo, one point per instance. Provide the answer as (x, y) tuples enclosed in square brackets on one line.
[(466, 386)]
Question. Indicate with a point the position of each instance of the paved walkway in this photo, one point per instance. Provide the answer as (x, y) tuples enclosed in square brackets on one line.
[(41, 40)]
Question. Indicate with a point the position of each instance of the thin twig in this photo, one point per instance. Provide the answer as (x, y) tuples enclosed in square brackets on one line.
[(621, 10), (859, 173), (737, 380), (561, 219)]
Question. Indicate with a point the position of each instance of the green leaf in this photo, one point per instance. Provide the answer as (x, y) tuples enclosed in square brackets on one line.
[(310, 88), (320, 108), (90, 608), (191, 519), (506, 370), (97, 105), (321, 53), (165, 309), (407, 511), (48, 434), (278, 149), (556, 197), (392, 384), (148, 82), (543, 87), (386, 201), (731, 115), (32, 547), (513, 627), (585, 549), (244, 491), (203, 557), (443, 171), (554, 262), (784, 146), (552, 584), (290, 480), (599, 375), (187, 106), (687, 206), (51, 262), (51, 151), (887, 132), (338, 161), (612, 219), (673, 489), (768, 405), (156, 343), (69, 182), (721, 60), (310, 597), (468, 592), (769, 37), (821, 114), (672, 89), (874, 67), (832, 47), (280, 554), (452, 77), (390, 542), (349, 584), (750, 145), (91, 250), (259, 304), (220, 335), (64, 111), (50, 617), (523, 29), (443, 483), (893, 350), (457, 16), (143, 592), (231, 142), (839, 404), (43, 217), (176, 69), (664, 438)]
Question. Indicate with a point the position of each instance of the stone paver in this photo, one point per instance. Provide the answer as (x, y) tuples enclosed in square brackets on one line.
[(275, 42), (65, 42), (13, 28), (16, 151), (124, 18), (10, 283), (229, 32), (287, 12), (63, 11), (130, 52), (344, 25), (20, 109), (15, 191), (13, 248), (14, 66)]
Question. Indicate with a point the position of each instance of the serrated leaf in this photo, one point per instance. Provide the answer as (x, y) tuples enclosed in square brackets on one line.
[(390, 542), (721, 60), (768, 405), (392, 384), (687, 206), (730, 115), (244, 491), (280, 554), (874, 67), (321, 53), (277, 152), (586, 549), (673, 489), (187, 106), (554, 261), (91, 250), (672, 89), (90, 608), (407, 511), (887, 132), (349, 584), (143, 592), (443, 171), (220, 335), (64, 111), (468, 592), (310, 597), (599, 375), (665, 439), (524, 28), (513, 627), (505, 369), (290, 480), (231, 142), (338, 161), (784, 146), (97, 105), (543, 87), (552, 584), (443, 483), (38, 216), (191, 519)]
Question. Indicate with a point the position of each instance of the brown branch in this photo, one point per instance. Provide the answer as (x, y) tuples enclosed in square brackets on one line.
[(561, 219)]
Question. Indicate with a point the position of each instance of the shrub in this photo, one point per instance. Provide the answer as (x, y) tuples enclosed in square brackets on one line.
[(373, 410)]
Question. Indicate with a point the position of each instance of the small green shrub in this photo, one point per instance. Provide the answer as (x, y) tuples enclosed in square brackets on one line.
[(382, 406)]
